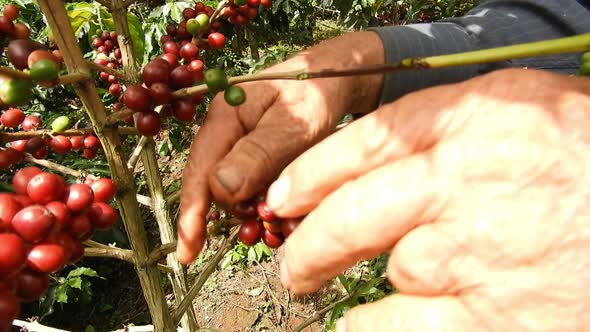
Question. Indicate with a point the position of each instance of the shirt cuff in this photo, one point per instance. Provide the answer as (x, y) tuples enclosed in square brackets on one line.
[(420, 40)]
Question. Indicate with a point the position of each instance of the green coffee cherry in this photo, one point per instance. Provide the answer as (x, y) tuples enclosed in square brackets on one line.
[(585, 57), (193, 26), (16, 92), (234, 95), (216, 80), (60, 124), (44, 70), (203, 20)]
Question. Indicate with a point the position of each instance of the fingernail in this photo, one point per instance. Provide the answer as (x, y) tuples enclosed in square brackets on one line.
[(231, 178), (278, 193), (341, 325), (285, 279)]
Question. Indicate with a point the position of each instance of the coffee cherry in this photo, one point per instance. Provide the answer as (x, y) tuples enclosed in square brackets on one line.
[(80, 227), (33, 223), (104, 190), (60, 144), (77, 142), (266, 3), (182, 77), (91, 142), (31, 122), (10, 11), (102, 215), (12, 254), (66, 241), (214, 215), (193, 26), (6, 26), (21, 179), (245, 209), (196, 66), (234, 95), (8, 208), (189, 13), (19, 145), (216, 79), (46, 257), (77, 253), (12, 118), (253, 3), (31, 285), (41, 153), (289, 225), (60, 124), (272, 240), (184, 110), (156, 71), (216, 40), (46, 187), (265, 213), (250, 232), (34, 144), (115, 89), (9, 156), (272, 226), (61, 213), (148, 123), (160, 93), (189, 52), (137, 98), (171, 48), (89, 153), (9, 309), (23, 200), (78, 197), (171, 59), (171, 29)]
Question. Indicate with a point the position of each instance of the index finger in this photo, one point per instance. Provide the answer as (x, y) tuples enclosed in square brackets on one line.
[(213, 141)]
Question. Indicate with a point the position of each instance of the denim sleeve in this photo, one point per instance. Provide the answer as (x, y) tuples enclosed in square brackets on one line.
[(491, 24)]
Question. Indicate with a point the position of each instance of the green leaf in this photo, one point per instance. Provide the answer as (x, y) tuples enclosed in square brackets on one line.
[(80, 14), (252, 256), (342, 279), (89, 328), (83, 271), (163, 148), (75, 282), (256, 291), (61, 294)]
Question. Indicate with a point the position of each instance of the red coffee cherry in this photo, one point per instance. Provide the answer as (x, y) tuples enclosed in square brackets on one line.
[(250, 232)]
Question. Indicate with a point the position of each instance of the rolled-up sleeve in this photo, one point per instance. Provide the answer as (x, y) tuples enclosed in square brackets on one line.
[(491, 24)]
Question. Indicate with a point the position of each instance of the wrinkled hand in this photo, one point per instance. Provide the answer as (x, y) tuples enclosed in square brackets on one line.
[(481, 193), (240, 150)]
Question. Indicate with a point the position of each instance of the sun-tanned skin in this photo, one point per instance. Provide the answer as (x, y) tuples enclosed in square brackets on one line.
[(478, 190)]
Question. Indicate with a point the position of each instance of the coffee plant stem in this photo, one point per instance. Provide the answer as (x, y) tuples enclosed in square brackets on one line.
[(6, 137), (149, 276), (35, 326), (211, 266), (119, 116), (117, 73), (222, 4), (13, 73), (73, 78)]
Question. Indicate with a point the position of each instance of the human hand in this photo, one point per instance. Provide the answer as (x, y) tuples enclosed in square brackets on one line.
[(239, 150), (480, 192)]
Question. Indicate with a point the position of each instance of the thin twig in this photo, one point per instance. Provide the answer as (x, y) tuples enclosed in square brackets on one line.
[(144, 200), (122, 254), (319, 314), (134, 158), (13, 73), (6, 137), (21, 75), (117, 73), (186, 303), (54, 166), (161, 252), (94, 244), (119, 116), (73, 78), (222, 4)]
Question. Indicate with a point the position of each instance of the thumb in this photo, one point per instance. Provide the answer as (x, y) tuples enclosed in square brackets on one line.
[(404, 313), (258, 158)]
